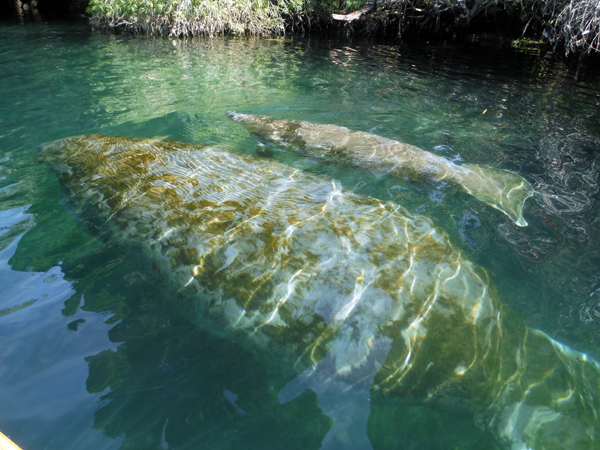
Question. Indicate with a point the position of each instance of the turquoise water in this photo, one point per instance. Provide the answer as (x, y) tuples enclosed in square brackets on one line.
[(92, 355)]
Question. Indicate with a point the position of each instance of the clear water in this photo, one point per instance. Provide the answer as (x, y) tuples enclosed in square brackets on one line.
[(93, 356)]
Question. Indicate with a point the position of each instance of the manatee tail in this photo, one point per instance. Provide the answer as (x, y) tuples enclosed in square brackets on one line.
[(501, 189)]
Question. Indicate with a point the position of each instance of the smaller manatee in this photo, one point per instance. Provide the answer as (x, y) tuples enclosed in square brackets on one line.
[(501, 189)]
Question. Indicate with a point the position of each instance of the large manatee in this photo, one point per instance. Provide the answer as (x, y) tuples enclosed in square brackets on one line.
[(501, 189), (339, 293)]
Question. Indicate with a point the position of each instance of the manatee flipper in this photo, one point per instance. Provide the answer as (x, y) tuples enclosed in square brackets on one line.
[(506, 191), (501, 189), (548, 397)]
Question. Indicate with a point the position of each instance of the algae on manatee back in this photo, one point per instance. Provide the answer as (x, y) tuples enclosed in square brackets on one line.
[(501, 189), (340, 293)]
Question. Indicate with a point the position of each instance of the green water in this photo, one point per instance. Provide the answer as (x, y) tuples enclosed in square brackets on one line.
[(92, 355)]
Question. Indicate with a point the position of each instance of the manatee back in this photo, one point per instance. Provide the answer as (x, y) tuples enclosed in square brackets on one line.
[(262, 252)]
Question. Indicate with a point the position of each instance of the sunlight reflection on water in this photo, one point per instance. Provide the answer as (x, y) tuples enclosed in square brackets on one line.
[(474, 105)]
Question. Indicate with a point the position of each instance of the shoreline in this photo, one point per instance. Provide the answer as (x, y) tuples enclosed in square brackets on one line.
[(532, 23), (494, 25)]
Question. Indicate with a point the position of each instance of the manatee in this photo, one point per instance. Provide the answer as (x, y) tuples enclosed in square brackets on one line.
[(334, 291), (501, 189)]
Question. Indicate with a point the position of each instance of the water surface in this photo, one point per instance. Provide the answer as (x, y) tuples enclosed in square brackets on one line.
[(93, 355)]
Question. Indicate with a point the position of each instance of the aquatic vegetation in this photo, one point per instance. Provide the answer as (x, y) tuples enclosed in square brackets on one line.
[(193, 17), (501, 189), (343, 294)]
